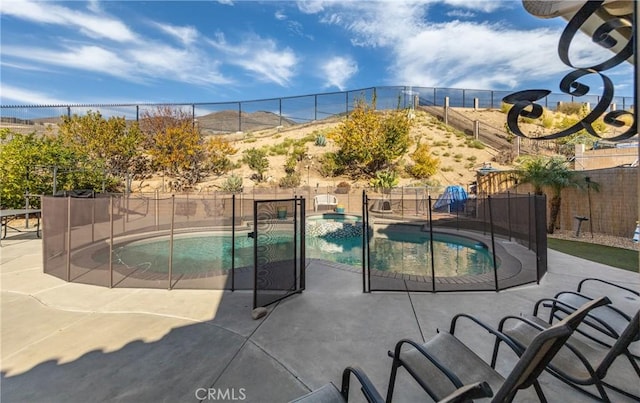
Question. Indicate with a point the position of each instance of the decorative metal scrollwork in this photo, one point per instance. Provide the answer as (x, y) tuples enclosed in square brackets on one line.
[(524, 101)]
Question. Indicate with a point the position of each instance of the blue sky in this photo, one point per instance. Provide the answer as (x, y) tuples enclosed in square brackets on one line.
[(55, 52)]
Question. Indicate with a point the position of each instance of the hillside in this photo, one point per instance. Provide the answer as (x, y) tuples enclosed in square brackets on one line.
[(460, 156)]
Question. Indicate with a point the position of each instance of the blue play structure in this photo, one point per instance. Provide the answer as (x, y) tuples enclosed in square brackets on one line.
[(453, 199)]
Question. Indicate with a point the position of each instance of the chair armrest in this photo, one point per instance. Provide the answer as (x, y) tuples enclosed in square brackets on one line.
[(366, 386), (581, 283), (497, 333), (540, 328), (473, 391), (450, 375), (556, 305)]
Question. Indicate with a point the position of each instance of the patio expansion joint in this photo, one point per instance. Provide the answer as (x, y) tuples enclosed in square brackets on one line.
[(247, 339), (415, 315)]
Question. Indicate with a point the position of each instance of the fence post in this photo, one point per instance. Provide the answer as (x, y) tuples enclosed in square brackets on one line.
[(111, 241), (493, 244), (433, 260), (346, 102), (476, 129), (68, 239), (476, 102), (173, 215), (239, 116), (365, 243), (233, 241), (446, 110), (315, 107), (530, 220), (509, 212)]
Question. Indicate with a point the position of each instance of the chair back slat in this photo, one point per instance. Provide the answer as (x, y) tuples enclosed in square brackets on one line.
[(542, 350), (629, 335)]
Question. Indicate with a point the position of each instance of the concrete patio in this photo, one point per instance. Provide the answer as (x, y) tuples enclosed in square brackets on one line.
[(65, 342)]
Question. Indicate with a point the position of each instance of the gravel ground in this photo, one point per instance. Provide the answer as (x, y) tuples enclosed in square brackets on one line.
[(601, 239)]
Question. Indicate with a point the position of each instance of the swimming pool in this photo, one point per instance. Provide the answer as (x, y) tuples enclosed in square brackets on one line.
[(390, 251)]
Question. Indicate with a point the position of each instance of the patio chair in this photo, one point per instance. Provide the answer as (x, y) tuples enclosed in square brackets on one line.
[(608, 321), (444, 362), (324, 200), (579, 363), (329, 393)]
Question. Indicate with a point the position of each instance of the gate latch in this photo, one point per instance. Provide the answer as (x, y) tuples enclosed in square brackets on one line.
[(251, 235)]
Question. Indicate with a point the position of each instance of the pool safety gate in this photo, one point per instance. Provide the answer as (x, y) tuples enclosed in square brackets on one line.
[(509, 227), (279, 249)]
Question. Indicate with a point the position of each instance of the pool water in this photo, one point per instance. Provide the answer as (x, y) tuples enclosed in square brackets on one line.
[(395, 251)]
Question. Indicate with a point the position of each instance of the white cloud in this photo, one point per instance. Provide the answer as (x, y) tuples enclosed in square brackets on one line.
[(260, 57), (186, 35), (91, 58), (461, 14), (22, 96), (457, 53), (485, 6), (96, 25), (338, 70), (310, 6), (280, 15)]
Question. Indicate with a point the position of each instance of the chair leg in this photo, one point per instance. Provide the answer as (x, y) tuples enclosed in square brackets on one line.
[(603, 393), (494, 356), (392, 378), (539, 392)]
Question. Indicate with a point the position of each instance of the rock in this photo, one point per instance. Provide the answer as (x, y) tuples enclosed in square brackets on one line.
[(258, 313)]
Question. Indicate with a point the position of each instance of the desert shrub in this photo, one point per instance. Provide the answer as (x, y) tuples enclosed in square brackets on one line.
[(329, 165), (472, 158), (299, 152), (425, 165), (217, 151), (505, 157), (446, 169), (233, 184), (570, 108), (279, 149), (475, 144), (290, 164), (343, 188), (384, 180), (309, 138), (256, 159), (290, 180), (547, 119), (505, 107), (321, 140)]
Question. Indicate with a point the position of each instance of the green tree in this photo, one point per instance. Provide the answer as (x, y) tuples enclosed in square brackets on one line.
[(257, 160), (369, 141), (29, 162), (175, 144), (112, 143), (552, 174)]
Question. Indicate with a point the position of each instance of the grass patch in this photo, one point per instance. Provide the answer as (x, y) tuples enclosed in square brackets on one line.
[(616, 257)]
